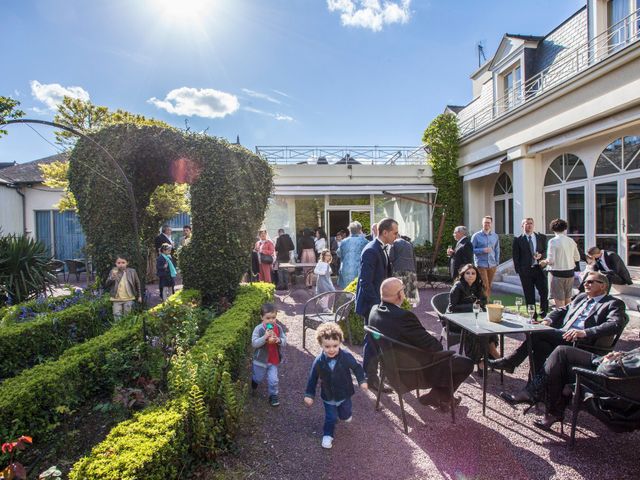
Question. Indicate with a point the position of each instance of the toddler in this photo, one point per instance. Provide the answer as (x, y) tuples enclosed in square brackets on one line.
[(333, 367), (267, 339)]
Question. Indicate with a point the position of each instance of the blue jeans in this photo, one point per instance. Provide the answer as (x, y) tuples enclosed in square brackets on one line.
[(332, 413), (271, 371)]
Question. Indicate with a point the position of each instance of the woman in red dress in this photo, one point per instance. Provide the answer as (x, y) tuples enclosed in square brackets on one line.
[(265, 247)]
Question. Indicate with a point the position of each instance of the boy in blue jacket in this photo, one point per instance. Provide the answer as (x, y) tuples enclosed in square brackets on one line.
[(333, 367)]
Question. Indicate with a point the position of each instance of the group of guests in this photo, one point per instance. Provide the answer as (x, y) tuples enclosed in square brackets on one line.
[(166, 264)]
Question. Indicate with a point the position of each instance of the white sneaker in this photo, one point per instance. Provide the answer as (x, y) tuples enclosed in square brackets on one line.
[(347, 420), (327, 441)]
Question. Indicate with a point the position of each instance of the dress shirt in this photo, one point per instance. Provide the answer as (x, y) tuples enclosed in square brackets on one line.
[(578, 323), (602, 265), (385, 249)]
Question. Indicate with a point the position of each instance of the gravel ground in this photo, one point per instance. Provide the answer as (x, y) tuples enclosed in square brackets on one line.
[(284, 442)]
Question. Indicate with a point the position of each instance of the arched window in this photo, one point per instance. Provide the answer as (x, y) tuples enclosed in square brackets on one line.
[(503, 204), (621, 155), (564, 195)]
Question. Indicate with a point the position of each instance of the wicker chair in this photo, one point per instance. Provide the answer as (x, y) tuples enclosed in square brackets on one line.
[(327, 307), (76, 267), (390, 370)]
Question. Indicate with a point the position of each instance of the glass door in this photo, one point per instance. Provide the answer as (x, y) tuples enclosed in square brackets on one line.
[(606, 213), (631, 224), (567, 203)]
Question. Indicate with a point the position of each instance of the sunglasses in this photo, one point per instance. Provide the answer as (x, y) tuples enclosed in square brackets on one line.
[(589, 282)]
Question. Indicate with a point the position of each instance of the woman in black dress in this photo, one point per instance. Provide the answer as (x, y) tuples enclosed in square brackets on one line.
[(464, 293)]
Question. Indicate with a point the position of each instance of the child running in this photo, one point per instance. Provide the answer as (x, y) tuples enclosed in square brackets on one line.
[(267, 340), (333, 367)]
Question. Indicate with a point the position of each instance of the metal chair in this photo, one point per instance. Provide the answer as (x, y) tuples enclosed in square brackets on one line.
[(439, 303), (614, 401), (76, 267), (390, 370), (327, 307)]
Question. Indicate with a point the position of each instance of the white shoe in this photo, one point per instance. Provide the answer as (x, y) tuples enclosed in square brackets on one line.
[(347, 420), (327, 441)]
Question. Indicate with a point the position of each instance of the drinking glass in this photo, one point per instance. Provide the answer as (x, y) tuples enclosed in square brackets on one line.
[(531, 310), (476, 311), (518, 304), (497, 302)]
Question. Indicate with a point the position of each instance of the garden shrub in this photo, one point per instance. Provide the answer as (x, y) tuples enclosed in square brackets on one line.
[(204, 412), (26, 311), (506, 247), (48, 336)]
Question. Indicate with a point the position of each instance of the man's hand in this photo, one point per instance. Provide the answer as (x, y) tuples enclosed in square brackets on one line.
[(450, 251), (308, 401), (364, 386), (546, 321), (612, 356), (487, 250), (537, 256), (573, 335)]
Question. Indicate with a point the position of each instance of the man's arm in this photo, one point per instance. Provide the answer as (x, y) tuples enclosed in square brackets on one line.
[(467, 249), (367, 272), (516, 254), (558, 315), (542, 244), (415, 333), (615, 318), (496, 249), (477, 249)]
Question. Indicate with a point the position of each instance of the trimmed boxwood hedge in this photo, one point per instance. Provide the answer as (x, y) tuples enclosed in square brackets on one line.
[(153, 445), (24, 345)]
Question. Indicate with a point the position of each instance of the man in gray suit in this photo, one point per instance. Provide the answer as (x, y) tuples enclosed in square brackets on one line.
[(462, 253)]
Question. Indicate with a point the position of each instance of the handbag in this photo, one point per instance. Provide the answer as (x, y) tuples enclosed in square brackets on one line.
[(264, 258)]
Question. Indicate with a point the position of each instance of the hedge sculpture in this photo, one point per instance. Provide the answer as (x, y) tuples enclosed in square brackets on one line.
[(230, 187)]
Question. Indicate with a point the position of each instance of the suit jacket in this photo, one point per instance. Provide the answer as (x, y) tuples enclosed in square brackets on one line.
[(522, 258), (160, 239), (284, 245), (404, 326), (615, 263), (373, 270), (605, 319), (462, 255)]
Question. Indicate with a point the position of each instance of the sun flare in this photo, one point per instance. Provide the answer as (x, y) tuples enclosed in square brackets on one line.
[(183, 10)]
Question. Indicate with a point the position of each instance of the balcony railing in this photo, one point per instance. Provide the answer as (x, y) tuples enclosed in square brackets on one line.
[(326, 155), (575, 61)]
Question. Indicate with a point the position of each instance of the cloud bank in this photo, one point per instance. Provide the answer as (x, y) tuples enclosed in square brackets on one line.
[(51, 94), (371, 14), (199, 102)]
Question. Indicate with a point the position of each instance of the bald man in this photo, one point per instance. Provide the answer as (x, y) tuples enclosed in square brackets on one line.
[(403, 325)]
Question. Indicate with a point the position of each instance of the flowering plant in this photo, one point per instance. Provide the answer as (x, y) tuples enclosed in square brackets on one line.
[(15, 470)]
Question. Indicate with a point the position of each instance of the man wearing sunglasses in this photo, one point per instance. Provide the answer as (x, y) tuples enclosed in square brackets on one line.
[(592, 318)]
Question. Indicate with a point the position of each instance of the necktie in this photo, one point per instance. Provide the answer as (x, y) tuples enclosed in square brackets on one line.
[(599, 265), (533, 251), (578, 320)]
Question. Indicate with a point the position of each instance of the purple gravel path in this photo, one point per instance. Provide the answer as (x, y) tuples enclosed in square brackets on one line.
[(284, 442)]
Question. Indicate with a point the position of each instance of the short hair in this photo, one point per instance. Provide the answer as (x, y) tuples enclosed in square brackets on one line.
[(164, 247), (267, 308), (460, 228), (488, 217), (558, 225), (385, 225), (165, 227), (525, 220), (329, 331), (187, 226), (281, 230), (122, 256), (593, 251), (355, 228), (600, 276)]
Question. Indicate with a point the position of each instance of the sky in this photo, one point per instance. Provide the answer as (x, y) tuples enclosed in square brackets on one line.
[(274, 72)]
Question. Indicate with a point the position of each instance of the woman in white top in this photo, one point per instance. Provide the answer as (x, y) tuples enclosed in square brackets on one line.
[(323, 271), (321, 241), (562, 256)]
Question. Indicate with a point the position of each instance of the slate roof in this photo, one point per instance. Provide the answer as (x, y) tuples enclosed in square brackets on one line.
[(455, 108), (29, 172), (7, 164), (527, 38)]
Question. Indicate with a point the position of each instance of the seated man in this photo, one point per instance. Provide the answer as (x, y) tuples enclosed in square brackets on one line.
[(404, 326), (591, 317), (608, 263), (550, 384)]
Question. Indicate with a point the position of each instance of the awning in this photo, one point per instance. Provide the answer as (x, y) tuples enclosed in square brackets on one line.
[(484, 169), (350, 189)]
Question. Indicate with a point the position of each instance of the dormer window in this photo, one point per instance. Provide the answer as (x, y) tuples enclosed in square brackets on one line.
[(512, 87)]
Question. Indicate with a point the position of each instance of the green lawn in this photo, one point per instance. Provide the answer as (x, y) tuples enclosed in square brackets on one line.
[(509, 301)]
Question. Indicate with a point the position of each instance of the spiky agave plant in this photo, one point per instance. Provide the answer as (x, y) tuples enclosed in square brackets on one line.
[(25, 267)]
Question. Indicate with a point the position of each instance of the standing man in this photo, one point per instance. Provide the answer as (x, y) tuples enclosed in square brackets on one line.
[(486, 252), (462, 253), (164, 237), (608, 263), (562, 257), (374, 268), (284, 247), (186, 231), (374, 232), (349, 252), (529, 250)]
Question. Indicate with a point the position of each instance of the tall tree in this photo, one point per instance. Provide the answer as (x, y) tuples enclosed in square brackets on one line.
[(9, 111)]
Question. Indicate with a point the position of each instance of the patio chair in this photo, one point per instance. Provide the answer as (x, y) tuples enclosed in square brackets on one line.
[(604, 345), (327, 307), (439, 303), (612, 400), (76, 267), (390, 370), (57, 267)]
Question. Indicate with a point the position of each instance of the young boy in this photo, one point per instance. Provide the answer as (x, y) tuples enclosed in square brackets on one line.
[(125, 287), (333, 367), (267, 339)]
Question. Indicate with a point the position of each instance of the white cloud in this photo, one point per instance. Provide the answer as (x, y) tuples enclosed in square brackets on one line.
[(371, 14), (282, 94), (261, 96), (199, 102), (51, 94), (277, 116)]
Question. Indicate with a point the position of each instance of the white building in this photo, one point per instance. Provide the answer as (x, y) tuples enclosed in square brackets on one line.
[(553, 130), (329, 187)]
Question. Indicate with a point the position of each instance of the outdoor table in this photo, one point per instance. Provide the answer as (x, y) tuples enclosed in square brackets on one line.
[(511, 323), (292, 267)]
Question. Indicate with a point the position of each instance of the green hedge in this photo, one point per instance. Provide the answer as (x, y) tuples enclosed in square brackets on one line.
[(31, 309), (153, 445), (24, 345)]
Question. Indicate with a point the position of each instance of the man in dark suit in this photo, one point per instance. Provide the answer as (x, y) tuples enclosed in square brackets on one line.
[(164, 237), (374, 268), (529, 250), (592, 318), (462, 253), (403, 325), (608, 263)]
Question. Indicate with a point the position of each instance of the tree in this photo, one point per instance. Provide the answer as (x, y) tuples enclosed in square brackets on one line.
[(9, 111), (442, 136)]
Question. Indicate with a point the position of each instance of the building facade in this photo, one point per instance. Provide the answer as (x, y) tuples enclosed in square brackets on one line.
[(328, 187), (553, 130)]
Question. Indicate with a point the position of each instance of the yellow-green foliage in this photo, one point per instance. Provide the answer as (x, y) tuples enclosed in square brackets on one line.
[(355, 321), (158, 452)]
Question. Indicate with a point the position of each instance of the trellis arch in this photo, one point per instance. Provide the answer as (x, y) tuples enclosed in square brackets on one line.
[(229, 190)]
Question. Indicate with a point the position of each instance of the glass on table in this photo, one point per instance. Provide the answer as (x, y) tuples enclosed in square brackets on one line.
[(497, 302), (476, 311), (531, 311), (518, 304)]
